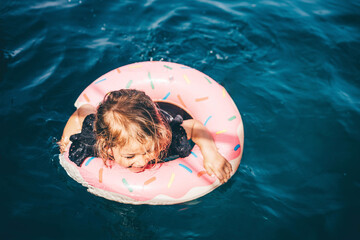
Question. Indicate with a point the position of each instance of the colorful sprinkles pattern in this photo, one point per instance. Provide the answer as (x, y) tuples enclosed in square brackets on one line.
[(186, 167), (166, 96), (151, 81), (101, 175), (150, 180), (136, 66), (86, 97), (194, 154), (171, 180), (186, 79), (166, 66), (181, 101), (100, 81), (221, 131), (127, 185), (88, 161), (129, 84), (208, 80), (231, 118), (206, 121), (199, 99), (201, 173)]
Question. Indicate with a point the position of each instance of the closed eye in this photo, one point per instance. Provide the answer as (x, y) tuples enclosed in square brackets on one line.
[(129, 157)]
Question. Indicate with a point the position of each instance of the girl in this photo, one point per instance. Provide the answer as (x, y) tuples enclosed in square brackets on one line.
[(129, 129)]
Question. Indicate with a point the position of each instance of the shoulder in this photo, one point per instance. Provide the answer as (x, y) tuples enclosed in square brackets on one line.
[(180, 144), (77, 118), (75, 122), (83, 111), (188, 126)]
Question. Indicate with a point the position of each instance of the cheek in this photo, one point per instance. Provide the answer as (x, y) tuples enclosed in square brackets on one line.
[(118, 159), (122, 162)]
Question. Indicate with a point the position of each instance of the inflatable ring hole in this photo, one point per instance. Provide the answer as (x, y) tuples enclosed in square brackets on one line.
[(174, 109)]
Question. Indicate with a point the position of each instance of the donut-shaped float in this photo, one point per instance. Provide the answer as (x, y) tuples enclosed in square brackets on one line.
[(179, 180)]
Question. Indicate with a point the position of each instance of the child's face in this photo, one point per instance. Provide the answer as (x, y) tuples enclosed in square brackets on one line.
[(134, 156)]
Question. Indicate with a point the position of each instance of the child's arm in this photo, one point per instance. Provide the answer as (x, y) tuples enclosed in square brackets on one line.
[(214, 162), (74, 124)]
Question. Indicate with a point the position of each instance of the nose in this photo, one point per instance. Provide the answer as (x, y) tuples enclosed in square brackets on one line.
[(140, 161), (139, 164)]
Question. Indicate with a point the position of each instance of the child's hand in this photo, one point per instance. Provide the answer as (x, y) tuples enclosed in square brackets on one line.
[(62, 144), (216, 164)]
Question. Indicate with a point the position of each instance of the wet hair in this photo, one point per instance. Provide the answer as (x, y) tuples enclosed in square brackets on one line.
[(127, 115)]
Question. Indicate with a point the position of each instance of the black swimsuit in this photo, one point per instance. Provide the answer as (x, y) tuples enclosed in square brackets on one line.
[(83, 144)]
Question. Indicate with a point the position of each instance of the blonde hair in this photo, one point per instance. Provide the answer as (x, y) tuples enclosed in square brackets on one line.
[(126, 115)]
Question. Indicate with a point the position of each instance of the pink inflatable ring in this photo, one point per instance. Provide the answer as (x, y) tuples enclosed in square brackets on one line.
[(179, 180)]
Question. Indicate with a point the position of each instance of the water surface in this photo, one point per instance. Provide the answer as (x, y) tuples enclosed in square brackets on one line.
[(292, 68)]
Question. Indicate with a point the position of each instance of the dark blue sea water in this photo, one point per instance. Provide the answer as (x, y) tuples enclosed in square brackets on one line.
[(292, 68)]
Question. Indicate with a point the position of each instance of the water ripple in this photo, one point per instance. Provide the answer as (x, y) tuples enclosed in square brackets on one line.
[(292, 68)]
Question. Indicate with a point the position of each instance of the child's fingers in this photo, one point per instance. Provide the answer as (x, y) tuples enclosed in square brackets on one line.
[(226, 172), (209, 171), (229, 167), (222, 173), (215, 173)]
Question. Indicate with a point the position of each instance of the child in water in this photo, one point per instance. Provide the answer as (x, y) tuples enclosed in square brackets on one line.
[(130, 129)]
